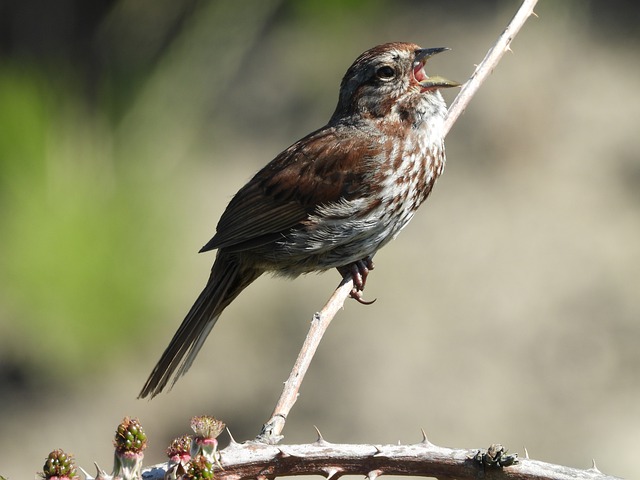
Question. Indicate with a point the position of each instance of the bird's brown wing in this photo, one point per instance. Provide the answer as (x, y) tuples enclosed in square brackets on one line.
[(327, 166)]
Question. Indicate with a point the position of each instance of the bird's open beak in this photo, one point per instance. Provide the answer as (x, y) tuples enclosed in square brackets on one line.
[(425, 81)]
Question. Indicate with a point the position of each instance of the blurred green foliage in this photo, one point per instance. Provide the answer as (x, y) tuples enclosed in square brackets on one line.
[(75, 229)]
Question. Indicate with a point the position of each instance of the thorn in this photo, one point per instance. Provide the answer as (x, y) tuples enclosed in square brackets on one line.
[(534, 14), (320, 440), (282, 453), (373, 474), (232, 441), (85, 473), (332, 472), (508, 49), (378, 452), (425, 440), (287, 453), (399, 443), (526, 453), (99, 473), (593, 466)]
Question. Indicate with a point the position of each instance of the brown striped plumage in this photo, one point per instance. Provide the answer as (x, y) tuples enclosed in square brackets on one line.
[(333, 198)]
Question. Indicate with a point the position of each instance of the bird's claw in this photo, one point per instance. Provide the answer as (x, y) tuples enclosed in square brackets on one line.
[(359, 271), (357, 296)]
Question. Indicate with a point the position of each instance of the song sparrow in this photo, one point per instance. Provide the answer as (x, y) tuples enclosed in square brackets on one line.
[(330, 200)]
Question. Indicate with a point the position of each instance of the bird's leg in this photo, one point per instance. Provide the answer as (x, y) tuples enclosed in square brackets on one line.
[(359, 271)]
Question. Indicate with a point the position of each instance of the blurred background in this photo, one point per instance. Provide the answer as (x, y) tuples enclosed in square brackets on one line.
[(508, 311)]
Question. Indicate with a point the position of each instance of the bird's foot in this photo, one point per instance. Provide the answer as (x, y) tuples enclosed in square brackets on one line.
[(359, 271)]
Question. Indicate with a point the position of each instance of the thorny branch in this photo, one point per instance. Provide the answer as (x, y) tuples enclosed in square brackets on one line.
[(262, 461), (272, 430)]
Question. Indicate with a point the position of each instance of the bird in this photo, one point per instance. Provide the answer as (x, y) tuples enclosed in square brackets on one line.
[(330, 200)]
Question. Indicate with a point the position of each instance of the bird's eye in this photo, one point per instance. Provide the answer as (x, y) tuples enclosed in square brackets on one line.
[(385, 72)]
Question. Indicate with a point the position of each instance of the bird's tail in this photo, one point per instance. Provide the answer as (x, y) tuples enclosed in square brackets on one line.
[(228, 278)]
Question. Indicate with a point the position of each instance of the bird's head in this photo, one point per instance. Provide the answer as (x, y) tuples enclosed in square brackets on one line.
[(387, 75)]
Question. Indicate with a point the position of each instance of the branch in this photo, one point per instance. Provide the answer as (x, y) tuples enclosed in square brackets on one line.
[(261, 461), (487, 65), (272, 430)]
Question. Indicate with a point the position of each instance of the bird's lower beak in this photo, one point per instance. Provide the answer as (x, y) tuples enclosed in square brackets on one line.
[(437, 82), (425, 81)]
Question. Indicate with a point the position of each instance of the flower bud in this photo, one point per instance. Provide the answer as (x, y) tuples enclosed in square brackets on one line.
[(130, 442), (59, 466), (199, 468), (204, 442), (179, 457)]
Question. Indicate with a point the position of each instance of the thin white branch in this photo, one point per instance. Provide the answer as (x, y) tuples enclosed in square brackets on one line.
[(487, 65), (272, 430)]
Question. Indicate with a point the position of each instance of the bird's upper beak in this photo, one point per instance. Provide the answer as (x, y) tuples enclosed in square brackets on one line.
[(425, 81)]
